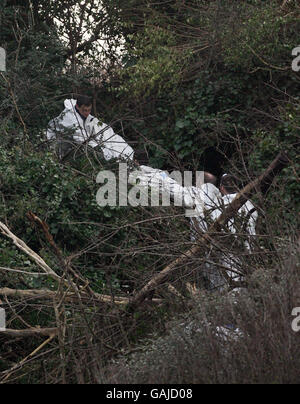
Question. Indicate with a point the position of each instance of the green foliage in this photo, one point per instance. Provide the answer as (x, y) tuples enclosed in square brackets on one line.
[(258, 36), (152, 62), (285, 137), (58, 195), (222, 76)]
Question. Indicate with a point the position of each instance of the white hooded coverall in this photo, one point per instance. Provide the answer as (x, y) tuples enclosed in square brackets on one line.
[(208, 203), (90, 132)]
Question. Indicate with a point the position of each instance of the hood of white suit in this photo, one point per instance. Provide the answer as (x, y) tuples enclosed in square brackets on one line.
[(70, 103)]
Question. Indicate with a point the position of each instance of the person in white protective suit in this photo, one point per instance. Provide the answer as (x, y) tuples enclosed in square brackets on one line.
[(190, 197), (208, 202), (76, 125), (245, 221)]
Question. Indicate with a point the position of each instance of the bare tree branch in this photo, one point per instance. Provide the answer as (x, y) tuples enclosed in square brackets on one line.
[(22, 246), (49, 295)]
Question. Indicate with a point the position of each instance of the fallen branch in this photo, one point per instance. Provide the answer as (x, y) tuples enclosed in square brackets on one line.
[(45, 228), (46, 294), (22, 246), (262, 184), (192, 289), (65, 263), (173, 290), (9, 372), (31, 332)]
